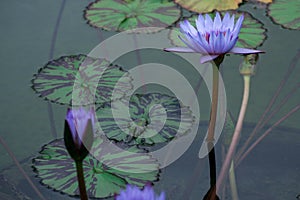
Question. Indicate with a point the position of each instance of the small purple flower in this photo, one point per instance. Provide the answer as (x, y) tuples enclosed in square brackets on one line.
[(78, 133), (134, 193), (212, 38)]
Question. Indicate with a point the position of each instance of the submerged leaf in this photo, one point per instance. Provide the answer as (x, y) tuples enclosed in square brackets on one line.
[(285, 13), (81, 80), (57, 169), (154, 118), (252, 33), (120, 15), (204, 6)]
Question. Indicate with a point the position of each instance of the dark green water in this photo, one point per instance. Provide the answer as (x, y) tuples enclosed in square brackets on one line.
[(270, 172)]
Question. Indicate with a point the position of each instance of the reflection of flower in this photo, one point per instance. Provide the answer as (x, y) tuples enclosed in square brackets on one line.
[(212, 38), (134, 193), (79, 132)]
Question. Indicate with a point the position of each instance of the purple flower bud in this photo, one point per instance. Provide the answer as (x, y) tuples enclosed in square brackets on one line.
[(78, 133)]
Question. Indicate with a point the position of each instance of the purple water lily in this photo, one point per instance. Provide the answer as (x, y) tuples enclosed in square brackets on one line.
[(134, 193), (212, 38), (78, 120), (78, 133)]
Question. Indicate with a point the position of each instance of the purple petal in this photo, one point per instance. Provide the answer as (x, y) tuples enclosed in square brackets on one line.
[(208, 23), (239, 50), (217, 22), (230, 44), (212, 42), (186, 27), (219, 43), (207, 58), (200, 24), (226, 20), (231, 23), (238, 24), (180, 49)]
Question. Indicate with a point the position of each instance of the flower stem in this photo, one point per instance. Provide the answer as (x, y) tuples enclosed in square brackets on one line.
[(260, 123), (237, 131), (80, 178), (211, 194)]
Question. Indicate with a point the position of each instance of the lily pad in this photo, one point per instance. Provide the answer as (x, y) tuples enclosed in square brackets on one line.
[(261, 1), (152, 118), (285, 13), (120, 15), (81, 80), (57, 169), (252, 33), (205, 6)]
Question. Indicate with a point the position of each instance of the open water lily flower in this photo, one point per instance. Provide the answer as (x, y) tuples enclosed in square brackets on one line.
[(212, 38), (134, 193)]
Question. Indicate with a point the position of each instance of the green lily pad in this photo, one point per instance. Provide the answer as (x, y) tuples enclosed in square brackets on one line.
[(120, 15), (80, 80), (57, 169), (285, 13), (261, 1), (154, 118), (252, 33), (205, 6)]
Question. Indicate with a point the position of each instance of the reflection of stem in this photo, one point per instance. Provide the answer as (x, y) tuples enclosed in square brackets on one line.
[(271, 103), (232, 180), (21, 169), (295, 109), (236, 133), (80, 178), (53, 41)]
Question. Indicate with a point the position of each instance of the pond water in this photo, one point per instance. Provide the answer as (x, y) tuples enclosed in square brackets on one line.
[(272, 169)]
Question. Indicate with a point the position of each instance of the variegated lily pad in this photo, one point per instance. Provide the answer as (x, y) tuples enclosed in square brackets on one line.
[(205, 6), (261, 1), (57, 170), (120, 15), (252, 33), (81, 80), (285, 13), (145, 119)]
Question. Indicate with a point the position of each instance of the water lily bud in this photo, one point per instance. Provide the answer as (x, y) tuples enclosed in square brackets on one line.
[(78, 133), (248, 66)]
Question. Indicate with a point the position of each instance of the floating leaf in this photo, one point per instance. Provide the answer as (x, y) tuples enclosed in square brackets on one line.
[(204, 6), (57, 170), (81, 80), (252, 33), (120, 15), (154, 118), (262, 1), (285, 13)]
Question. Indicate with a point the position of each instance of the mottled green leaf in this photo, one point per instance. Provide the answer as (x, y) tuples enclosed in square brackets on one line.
[(285, 13), (80, 80), (252, 33), (204, 6), (145, 119), (126, 166), (120, 15)]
